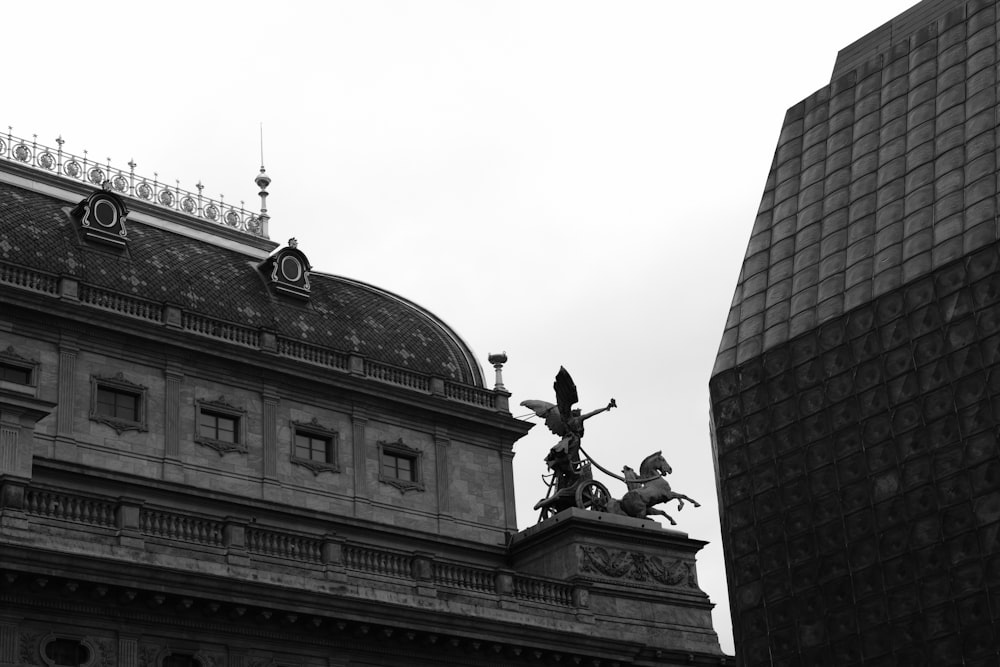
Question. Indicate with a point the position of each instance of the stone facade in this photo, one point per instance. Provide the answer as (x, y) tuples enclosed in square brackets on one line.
[(854, 395), (200, 468)]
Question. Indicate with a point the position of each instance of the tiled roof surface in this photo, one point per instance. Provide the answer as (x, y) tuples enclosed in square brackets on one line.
[(880, 177), (36, 232)]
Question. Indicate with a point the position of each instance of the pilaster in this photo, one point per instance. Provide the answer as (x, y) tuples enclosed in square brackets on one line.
[(65, 445), (269, 436), (172, 469), (359, 424)]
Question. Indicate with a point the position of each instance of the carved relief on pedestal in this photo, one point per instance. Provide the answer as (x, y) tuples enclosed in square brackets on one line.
[(634, 566)]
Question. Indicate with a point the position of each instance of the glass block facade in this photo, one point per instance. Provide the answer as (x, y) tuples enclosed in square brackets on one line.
[(856, 395)]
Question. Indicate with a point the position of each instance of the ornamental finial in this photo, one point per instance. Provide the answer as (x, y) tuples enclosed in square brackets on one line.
[(498, 360), (262, 181), (293, 243)]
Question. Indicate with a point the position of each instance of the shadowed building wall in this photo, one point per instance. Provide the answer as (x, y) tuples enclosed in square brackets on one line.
[(856, 394)]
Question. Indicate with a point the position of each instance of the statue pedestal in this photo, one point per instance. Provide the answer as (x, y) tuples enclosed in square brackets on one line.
[(641, 579)]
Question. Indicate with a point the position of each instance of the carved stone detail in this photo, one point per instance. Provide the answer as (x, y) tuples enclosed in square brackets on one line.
[(148, 655), (106, 653), (29, 648), (207, 659), (619, 564)]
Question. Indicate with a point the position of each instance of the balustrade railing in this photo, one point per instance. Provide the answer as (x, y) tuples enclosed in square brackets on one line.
[(397, 376), (126, 305), (28, 279), (377, 561), (183, 527), (132, 518), (207, 326), (468, 578), (545, 592), (284, 545), (68, 507), (467, 394), (31, 153), (150, 311), (312, 353)]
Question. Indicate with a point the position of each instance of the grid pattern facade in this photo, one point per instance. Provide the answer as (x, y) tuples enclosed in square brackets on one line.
[(856, 395), (883, 176)]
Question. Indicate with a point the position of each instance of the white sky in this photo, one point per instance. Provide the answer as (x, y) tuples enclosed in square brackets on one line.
[(572, 182)]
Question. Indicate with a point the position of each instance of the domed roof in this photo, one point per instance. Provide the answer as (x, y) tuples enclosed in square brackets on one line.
[(204, 278)]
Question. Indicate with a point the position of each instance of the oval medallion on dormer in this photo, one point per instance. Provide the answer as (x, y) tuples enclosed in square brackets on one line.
[(102, 219), (288, 271)]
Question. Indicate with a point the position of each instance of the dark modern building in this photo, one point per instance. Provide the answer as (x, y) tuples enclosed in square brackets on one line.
[(856, 394), (213, 455)]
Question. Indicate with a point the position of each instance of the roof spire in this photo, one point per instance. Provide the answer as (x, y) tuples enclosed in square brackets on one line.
[(262, 181)]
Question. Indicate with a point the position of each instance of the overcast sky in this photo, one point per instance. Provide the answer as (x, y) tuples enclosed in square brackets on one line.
[(571, 182)]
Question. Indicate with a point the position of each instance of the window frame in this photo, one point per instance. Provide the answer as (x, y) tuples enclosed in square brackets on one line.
[(43, 647), (118, 384), (315, 430), (400, 449), (11, 359), (220, 407)]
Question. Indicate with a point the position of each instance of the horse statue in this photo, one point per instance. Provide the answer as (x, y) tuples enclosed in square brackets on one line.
[(648, 488)]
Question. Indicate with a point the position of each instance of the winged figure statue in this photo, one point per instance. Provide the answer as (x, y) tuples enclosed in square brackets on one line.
[(567, 422)]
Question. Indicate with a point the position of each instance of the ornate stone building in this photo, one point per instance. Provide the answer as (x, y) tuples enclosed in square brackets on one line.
[(212, 455), (855, 395)]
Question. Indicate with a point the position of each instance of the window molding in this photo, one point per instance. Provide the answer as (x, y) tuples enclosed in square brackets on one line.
[(12, 359), (221, 407), (402, 450), (316, 430), (119, 384), (85, 642)]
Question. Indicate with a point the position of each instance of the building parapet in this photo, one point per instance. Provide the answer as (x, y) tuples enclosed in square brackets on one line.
[(263, 545), (248, 337), (83, 169)]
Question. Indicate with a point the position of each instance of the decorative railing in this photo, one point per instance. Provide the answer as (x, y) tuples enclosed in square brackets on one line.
[(284, 545), (208, 326), (378, 562), (467, 578), (28, 279), (312, 354), (128, 183), (182, 527), (150, 311), (133, 522), (67, 507), (127, 305), (396, 376), (545, 592), (467, 394)]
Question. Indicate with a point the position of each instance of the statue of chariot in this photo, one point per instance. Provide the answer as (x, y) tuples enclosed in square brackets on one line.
[(571, 482)]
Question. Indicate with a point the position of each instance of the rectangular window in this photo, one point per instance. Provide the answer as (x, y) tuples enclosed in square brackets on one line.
[(118, 404), (314, 447), (215, 426), (398, 466), (221, 426), (15, 373)]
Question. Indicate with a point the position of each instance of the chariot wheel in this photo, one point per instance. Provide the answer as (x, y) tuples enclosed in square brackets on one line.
[(592, 496)]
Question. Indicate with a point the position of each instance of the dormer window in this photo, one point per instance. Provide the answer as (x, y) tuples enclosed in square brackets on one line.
[(287, 271), (102, 219)]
